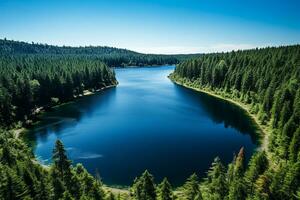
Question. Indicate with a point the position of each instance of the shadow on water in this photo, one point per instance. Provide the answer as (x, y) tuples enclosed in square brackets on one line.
[(67, 115), (221, 111)]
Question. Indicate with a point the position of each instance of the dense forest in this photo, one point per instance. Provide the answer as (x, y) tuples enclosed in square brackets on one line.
[(266, 81), (23, 178), (113, 57), (35, 76), (30, 82)]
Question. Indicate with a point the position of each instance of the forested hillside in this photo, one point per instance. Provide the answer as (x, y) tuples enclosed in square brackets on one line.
[(113, 57), (267, 82), (40, 75), (28, 82)]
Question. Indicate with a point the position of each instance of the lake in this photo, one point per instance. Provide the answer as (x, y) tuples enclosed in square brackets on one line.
[(146, 122)]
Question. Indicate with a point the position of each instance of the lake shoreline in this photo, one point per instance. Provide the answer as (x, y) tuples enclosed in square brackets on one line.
[(125, 187), (263, 129), (19, 131), (143, 66)]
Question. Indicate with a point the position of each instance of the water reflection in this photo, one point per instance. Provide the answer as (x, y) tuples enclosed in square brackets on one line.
[(147, 122), (223, 112)]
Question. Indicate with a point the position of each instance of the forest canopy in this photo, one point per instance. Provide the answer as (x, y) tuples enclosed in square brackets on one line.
[(113, 57), (266, 80)]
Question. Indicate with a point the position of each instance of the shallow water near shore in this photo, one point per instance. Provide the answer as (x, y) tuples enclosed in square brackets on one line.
[(146, 122)]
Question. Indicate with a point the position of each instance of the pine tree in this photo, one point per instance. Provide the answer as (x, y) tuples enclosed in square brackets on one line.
[(111, 196), (97, 191), (165, 190), (57, 184), (261, 191), (136, 189), (291, 180), (237, 186), (144, 188), (239, 166), (44, 190), (294, 147), (61, 162), (191, 187), (12, 186), (198, 196), (67, 196), (216, 181), (257, 166), (148, 191), (31, 183), (6, 108), (7, 155)]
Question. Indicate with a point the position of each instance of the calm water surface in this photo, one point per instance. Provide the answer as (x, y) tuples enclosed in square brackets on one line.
[(146, 122)]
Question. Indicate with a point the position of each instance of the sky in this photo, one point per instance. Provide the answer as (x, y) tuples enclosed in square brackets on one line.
[(157, 26)]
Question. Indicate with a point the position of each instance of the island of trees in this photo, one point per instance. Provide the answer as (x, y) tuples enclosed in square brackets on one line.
[(265, 81)]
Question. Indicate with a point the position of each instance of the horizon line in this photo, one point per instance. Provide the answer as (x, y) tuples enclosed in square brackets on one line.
[(177, 50)]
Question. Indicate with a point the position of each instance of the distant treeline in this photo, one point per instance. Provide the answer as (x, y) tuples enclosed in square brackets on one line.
[(41, 75), (268, 81), (113, 57)]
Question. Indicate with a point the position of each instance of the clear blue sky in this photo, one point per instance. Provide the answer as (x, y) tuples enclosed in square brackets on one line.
[(158, 26)]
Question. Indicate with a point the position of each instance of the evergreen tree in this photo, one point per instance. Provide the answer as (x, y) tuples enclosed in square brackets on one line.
[(111, 196), (261, 191), (294, 147), (191, 187), (12, 187), (148, 191), (67, 196), (291, 180), (165, 190), (257, 166), (61, 162), (216, 181), (32, 184), (237, 186), (7, 155), (57, 184), (97, 191), (144, 188)]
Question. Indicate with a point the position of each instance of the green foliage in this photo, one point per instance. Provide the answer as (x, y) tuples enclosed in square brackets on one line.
[(113, 57), (61, 163), (23, 178), (165, 190), (39, 76), (144, 188), (257, 166), (268, 81), (191, 188), (216, 182), (28, 82)]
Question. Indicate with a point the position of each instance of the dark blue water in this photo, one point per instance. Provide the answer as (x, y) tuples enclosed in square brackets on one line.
[(146, 122)]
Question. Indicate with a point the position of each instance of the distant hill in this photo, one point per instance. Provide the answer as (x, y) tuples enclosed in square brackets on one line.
[(113, 57)]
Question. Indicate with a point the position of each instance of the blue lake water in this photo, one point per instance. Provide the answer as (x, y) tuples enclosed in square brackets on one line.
[(146, 122)]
